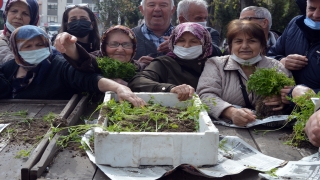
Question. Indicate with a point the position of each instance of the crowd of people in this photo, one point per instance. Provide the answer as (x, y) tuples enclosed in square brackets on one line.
[(183, 59)]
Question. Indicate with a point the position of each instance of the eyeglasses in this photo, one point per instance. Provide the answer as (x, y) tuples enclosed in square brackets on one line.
[(77, 5), (115, 44), (250, 18)]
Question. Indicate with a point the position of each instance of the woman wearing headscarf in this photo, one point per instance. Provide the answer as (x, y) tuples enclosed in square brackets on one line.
[(118, 42), (179, 70), (224, 78), (36, 74), (16, 13)]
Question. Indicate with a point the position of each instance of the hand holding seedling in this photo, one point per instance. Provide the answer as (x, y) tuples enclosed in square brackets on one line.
[(184, 91), (239, 116), (274, 101), (284, 93), (312, 129)]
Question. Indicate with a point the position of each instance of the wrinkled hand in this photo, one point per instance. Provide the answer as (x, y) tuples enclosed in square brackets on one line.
[(120, 81), (284, 93), (294, 61), (312, 129), (124, 93), (65, 42), (164, 47), (300, 90), (241, 116), (184, 91), (274, 101), (145, 59)]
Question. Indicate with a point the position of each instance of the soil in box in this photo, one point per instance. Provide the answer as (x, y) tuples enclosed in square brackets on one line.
[(122, 117)]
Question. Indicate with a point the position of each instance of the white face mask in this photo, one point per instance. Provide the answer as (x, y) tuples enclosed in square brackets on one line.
[(10, 27), (248, 62), (35, 57), (204, 23), (187, 53)]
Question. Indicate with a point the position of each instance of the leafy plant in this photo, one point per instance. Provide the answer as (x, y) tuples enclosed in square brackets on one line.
[(301, 113), (112, 68), (268, 81), (122, 117)]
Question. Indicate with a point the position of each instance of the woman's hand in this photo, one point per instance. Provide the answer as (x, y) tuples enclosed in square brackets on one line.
[(124, 93), (65, 43), (274, 101), (284, 93), (145, 59), (239, 116), (184, 91), (120, 81)]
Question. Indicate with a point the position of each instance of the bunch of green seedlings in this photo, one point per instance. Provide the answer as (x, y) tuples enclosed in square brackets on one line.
[(112, 68), (268, 81), (123, 117), (301, 113)]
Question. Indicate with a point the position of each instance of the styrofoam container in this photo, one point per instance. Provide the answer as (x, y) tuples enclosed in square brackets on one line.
[(132, 149)]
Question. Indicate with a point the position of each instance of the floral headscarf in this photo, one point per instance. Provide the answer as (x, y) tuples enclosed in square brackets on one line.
[(197, 30), (123, 29), (33, 8), (20, 36)]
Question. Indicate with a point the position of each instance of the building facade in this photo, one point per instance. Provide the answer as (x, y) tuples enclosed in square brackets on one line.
[(51, 11)]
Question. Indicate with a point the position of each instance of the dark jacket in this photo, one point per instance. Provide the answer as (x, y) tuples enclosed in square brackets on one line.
[(164, 73), (297, 38), (60, 82), (5, 87), (146, 47)]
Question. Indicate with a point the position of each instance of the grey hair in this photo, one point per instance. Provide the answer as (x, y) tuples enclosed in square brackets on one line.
[(260, 12), (183, 6), (142, 3)]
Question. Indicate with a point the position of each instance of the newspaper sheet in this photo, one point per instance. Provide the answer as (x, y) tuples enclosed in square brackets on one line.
[(235, 155), (226, 122), (307, 168), (3, 141)]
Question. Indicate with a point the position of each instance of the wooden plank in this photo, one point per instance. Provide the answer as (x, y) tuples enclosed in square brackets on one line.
[(35, 157), (33, 101), (241, 133), (52, 148), (70, 106), (272, 143)]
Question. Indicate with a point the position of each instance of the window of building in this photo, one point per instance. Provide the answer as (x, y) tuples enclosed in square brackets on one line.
[(52, 19), (52, 6)]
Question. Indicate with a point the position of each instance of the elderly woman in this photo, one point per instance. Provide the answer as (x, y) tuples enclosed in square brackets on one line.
[(37, 74), (118, 42), (178, 71), (222, 77), (16, 13), (81, 22)]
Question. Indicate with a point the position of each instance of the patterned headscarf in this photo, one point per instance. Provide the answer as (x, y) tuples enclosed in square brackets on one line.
[(123, 29), (20, 36), (197, 30), (33, 8)]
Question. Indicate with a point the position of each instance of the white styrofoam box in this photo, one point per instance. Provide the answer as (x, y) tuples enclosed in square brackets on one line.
[(132, 149)]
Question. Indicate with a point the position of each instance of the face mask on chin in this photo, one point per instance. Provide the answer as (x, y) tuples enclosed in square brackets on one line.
[(312, 24), (10, 27), (248, 62), (79, 28), (188, 53)]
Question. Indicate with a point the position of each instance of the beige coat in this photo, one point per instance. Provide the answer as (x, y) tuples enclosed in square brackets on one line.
[(219, 80)]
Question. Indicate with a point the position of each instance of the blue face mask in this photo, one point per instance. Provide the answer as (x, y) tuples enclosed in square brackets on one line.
[(311, 24), (10, 27), (35, 57)]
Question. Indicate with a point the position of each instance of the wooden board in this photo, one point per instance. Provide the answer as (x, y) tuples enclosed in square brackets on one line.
[(10, 166)]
